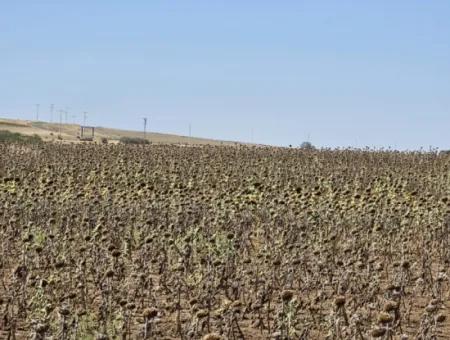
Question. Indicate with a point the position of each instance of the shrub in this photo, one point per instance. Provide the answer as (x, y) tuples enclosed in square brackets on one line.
[(133, 140), (307, 146), (15, 137)]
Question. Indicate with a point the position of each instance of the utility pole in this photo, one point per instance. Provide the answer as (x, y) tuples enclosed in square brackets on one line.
[(37, 112), (190, 130), (145, 127), (60, 121), (51, 113)]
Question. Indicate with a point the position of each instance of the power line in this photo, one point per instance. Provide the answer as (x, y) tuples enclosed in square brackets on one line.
[(51, 113), (60, 121), (145, 127), (37, 112)]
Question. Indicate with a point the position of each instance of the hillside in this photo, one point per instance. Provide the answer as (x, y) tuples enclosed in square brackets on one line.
[(69, 133)]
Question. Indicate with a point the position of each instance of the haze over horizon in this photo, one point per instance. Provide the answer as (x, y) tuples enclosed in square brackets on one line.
[(344, 73)]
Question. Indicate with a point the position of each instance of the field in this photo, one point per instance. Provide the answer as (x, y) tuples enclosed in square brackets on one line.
[(222, 242)]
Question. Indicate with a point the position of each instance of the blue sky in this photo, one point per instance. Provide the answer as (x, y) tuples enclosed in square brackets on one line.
[(344, 73)]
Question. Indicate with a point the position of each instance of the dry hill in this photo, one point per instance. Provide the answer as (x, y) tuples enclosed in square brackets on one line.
[(70, 132)]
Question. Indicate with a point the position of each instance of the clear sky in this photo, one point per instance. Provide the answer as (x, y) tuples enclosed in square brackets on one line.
[(344, 73)]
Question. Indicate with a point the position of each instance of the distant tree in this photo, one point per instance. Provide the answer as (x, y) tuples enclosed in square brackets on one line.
[(307, 146), (133, 140)]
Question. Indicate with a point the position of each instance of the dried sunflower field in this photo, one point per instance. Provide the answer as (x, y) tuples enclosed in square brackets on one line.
[(169, 242)]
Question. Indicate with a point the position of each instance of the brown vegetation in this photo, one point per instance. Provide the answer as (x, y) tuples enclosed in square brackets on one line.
[(163, 242)]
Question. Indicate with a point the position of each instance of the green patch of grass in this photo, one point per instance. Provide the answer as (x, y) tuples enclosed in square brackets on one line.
[(15, 137)]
